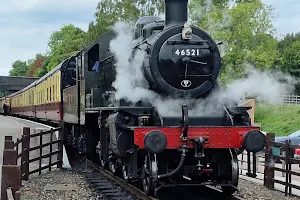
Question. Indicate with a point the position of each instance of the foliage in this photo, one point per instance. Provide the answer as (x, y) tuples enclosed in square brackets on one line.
[(64, 43), (291, 58), (245, 29), (35, 65), (108, 12), (43, 70), (288, 48), (279, 119), (3, 94), (19, 68)]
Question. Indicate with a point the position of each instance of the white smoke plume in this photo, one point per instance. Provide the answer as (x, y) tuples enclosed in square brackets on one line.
[(131, 84)]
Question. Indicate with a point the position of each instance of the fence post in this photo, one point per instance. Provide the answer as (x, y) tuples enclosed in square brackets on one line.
[(25, 153), (283, 163), (60, 147), (269, 162), (41, 152), (11, 174), (51, 150), (288, 177)]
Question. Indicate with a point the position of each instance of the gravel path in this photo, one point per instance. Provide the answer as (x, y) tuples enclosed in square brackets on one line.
[(47, 186), (57, 185), (249, 190)]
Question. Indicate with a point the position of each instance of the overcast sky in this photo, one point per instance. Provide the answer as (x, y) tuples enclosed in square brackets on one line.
[(26, 25)]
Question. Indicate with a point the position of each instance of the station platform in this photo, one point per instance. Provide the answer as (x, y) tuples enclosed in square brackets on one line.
[(12, 126)]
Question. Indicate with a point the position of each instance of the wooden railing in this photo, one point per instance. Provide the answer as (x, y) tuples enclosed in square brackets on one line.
[(13, 173), (286, 158), (266, 165), (290, 99)]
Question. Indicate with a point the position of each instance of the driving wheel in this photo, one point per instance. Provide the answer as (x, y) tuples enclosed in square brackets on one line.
[(148, 174), (228, 190)]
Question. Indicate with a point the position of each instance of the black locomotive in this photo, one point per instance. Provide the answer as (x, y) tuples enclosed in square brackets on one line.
[(135, 139)]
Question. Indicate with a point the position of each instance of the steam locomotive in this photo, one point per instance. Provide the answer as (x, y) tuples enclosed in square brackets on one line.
[(134, 139)]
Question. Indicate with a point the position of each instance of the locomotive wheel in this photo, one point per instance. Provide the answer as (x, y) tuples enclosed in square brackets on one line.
[(103, 163), (228, 190), (82, 145), (149, 170), (74, 142), (112, 167), (125, 173)]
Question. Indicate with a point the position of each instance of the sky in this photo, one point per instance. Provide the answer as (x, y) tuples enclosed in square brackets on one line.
[(26, 25)]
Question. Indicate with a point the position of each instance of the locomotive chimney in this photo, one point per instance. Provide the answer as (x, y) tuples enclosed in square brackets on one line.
[(175, 12)]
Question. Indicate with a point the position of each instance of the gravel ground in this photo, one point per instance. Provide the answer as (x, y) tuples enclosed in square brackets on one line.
[(250, 190), (36, 187)]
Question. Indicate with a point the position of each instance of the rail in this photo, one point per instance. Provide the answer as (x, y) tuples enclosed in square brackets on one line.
[(13, 173), (264, 166)]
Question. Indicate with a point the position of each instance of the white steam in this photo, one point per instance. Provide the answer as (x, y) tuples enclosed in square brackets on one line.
[(131, 85)]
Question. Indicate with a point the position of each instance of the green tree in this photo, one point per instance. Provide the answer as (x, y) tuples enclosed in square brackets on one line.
[(291, 58), (246, 30), (64, 43), (109, 12), (35, 65), (287, 41), (283, 44), (3, 94), (43, 70), (19, 68)]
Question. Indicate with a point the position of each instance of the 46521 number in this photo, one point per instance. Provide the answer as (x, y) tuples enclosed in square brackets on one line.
[(187, 52)]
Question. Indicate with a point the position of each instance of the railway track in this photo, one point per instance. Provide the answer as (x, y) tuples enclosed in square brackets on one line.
[(108, 186), (105, 184)]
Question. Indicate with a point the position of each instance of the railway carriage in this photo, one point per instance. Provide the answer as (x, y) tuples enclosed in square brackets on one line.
[(47, 95), (135, 139)]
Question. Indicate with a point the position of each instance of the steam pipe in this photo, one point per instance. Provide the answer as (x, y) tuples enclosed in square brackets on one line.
[(176, 12), (182, 158)]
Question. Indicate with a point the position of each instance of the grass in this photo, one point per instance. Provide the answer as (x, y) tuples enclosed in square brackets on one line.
[(279, 119)]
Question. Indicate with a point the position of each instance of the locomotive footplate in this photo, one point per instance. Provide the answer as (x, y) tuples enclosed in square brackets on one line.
[(159, 138)]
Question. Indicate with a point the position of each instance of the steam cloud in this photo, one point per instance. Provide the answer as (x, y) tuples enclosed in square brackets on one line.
[(130, 83)]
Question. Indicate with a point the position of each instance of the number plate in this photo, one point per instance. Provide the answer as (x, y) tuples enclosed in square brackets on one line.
[(186, 52), (276, 151)]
